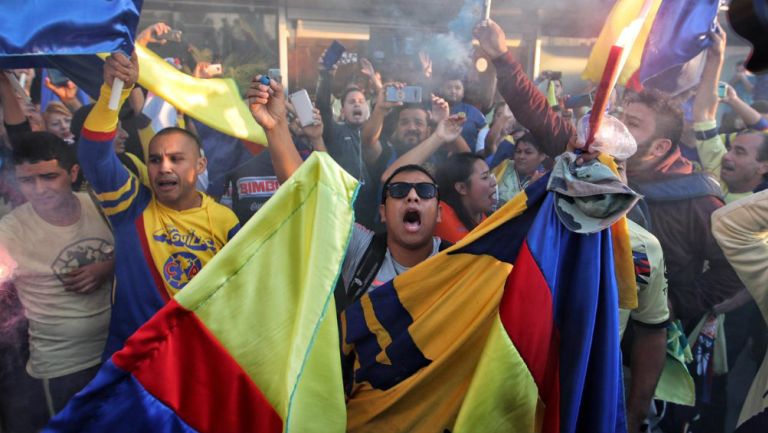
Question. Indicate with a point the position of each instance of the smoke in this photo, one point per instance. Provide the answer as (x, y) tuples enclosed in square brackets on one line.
[(13, 323), (468, 17), (13, 329), (450, 53), (453, 51)]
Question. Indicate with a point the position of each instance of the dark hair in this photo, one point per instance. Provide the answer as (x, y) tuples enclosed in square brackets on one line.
[(667, 114), (175, 129), (406, 169), (34, 147), (349, 90), (453, 75), (457, 168), (529, 138), (410, 106)]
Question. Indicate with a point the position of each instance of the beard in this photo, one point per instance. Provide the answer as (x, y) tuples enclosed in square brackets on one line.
[(643, 149)]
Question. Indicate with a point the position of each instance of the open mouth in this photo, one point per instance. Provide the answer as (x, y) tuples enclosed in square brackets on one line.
[(412, 220), (357, 112), (166, 184)]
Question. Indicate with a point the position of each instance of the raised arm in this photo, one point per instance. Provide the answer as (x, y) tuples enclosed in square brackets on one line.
[(115, 187), (706, 101), (268, 107), (526, 102), (751, 117), (14, 115), (370, 133), (446, 132), (708, 143)]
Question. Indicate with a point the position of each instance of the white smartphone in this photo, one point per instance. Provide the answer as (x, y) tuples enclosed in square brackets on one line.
[(213, 69), (303, 106)]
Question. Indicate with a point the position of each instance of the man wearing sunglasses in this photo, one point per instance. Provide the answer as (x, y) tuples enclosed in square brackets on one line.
[(409, 210)]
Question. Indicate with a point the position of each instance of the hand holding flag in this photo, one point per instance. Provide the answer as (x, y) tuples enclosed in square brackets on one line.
[(120, 71)]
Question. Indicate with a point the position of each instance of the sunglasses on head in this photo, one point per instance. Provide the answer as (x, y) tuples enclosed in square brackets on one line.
[(424, 190)]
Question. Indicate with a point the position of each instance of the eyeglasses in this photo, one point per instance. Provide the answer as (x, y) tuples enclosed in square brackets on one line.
[(424, 190)]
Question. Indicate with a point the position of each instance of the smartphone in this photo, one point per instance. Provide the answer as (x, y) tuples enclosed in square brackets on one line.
[(57, 78), (583, 100), (333, 54), (173, 35), (303, 106), (722, 89), (213, 69), (408, 94), (275, 74)]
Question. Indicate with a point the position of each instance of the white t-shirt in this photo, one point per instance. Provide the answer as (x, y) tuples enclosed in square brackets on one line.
[(67, 330)]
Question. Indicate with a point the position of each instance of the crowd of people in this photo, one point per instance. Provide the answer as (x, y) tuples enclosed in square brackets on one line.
[(131, 214)]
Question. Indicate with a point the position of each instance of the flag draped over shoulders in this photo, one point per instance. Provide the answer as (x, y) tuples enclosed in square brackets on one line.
[(251, 343), (515, 328)]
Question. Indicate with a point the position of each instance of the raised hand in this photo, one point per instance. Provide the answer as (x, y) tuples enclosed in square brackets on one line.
[(366, 68), (440, 109), (449, 129), (267, 103), (315, 130), (119, 66), (66, 92), (491, 38), (152, 33)]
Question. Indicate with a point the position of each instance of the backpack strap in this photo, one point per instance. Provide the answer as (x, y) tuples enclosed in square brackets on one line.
[(680, 188), (366, 271)]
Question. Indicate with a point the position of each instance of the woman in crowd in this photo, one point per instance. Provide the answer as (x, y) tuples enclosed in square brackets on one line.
[(467, 194), (527, 166), (57, 120)]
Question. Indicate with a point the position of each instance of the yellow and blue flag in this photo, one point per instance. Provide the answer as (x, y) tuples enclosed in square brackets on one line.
[(513, 329)]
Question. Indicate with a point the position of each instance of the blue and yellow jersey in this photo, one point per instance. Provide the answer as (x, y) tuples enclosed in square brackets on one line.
[(158, 249)]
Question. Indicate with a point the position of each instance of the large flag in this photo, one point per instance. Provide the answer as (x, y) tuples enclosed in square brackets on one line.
[(669, 46), (215, 102), (49, 27), (251, 344), (741, 230), (513, 329), (624, 12)]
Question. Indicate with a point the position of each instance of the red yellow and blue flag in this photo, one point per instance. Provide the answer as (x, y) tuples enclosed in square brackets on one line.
[(673, 34), (251, 343), (513, 329)]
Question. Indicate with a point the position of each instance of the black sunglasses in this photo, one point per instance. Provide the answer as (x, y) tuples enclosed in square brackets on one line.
[(424, 190)]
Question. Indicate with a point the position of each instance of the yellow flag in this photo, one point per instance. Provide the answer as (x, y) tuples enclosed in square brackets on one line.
[(214, 101), (622, 14)]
